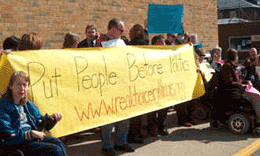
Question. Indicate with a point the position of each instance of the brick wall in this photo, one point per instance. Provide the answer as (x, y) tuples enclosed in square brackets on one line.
[(52, 19)]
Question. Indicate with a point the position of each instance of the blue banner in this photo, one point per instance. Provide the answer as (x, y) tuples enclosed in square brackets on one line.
[(165, 18)]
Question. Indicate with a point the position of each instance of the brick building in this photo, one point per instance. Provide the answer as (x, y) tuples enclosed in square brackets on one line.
[(52, 19), (239, 22)]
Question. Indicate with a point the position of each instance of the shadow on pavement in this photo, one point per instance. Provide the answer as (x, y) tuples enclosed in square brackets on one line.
[(206, 135), (89, 144)]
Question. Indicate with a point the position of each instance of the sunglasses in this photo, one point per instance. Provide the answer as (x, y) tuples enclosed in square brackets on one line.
[(121, 30)]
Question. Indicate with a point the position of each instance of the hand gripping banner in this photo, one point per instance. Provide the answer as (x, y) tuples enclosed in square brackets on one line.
[(97, 86)]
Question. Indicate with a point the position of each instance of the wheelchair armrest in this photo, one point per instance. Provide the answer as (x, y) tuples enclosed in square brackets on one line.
[(46, 124)]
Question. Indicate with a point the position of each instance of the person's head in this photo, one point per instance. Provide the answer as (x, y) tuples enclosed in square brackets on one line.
[(194, 38), (232, 55), (158, 40), (71, 40), (253, 53), (200, 54), (171, 37), (216, 53), (137, 32), (115, 28), (17, 88), (186, 39), (30, 41), (91, 32), (11, 42)]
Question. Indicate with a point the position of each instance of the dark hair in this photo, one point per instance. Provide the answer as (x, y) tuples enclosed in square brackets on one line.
[(70, 39), (31, 41), (90, 26), (231, 55), (137, 32), (155, 38), (11, 42), (9, 92), (113, 23), (186, 36), (200, 52), (172, 35)]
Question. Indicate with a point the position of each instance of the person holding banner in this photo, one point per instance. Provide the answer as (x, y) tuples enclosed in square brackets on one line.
[(137, 37), (30, 41), (186, 39), (91, 37), (115, 31), (156, 123), (21, 117), (71, 40), (158, 40), (172, 39), (10, 44)]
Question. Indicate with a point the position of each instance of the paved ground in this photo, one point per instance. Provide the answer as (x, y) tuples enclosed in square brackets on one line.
[(199, 140)]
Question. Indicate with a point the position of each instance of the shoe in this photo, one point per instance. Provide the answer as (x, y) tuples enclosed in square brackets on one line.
[(163, 132), (135, 140), (125, 148), (108, 151)]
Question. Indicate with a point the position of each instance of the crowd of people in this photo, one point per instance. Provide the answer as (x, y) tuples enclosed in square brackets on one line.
[(127, 131)]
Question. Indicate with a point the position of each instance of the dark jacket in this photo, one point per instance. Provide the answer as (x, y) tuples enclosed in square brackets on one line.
[(230, 85), (86, 43)]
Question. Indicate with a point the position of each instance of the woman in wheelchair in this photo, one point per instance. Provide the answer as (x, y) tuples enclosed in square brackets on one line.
[(21, 117), (232, 88)]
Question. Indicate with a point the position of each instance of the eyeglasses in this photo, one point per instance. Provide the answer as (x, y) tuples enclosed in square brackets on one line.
[(121, 30)]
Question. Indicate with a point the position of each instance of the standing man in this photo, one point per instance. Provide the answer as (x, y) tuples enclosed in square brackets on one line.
[(115, 31), (91, 37)]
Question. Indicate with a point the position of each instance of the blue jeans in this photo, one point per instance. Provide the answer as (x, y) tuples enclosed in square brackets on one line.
[(121, 129), (48, 146)]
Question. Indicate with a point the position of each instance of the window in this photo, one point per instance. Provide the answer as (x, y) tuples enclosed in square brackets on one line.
[(232, 14), (240, 43)]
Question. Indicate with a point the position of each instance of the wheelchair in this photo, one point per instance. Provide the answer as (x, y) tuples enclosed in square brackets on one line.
[(238, 117), (12, 150), (235, 114)]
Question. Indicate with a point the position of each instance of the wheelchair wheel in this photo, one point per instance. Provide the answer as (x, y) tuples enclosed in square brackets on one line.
[(238, 124)]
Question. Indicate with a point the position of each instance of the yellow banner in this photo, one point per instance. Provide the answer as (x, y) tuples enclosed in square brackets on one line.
[(96, 86)]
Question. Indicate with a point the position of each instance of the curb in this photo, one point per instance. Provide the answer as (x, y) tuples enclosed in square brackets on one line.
[(249, 150)]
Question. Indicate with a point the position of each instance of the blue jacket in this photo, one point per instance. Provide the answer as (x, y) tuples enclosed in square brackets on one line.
[(10, 119)]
